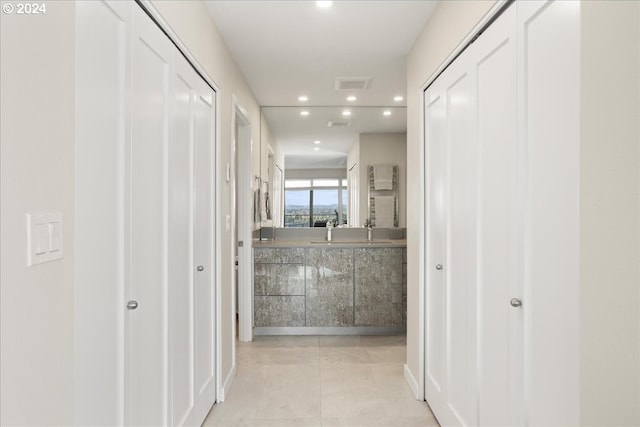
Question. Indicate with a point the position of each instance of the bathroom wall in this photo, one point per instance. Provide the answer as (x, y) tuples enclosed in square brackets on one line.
[(382, 149)]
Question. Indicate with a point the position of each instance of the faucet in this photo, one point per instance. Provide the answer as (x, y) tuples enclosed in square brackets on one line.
[(369, 233), (329, 228)]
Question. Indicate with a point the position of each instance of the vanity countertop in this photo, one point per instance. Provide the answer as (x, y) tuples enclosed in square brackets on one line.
[(395, 243)]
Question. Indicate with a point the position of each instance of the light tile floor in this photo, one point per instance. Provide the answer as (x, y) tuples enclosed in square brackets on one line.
[(321, 381)]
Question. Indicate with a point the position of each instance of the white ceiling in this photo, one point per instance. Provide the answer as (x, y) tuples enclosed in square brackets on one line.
[(290, 48)]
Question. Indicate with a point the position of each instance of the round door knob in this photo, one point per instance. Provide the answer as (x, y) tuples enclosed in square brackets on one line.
[(438, 266), (200, 268), (515, 302), (132, 305)]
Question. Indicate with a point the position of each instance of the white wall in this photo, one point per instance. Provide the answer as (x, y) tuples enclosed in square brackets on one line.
[(449, 24), (379, 149), (609, 198), (191, 22), (37, 140)]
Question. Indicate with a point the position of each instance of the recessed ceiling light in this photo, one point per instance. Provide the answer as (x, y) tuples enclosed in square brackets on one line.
[(398, 98), (387, 112), (304, 113), (303, 98), (346, 113), (316, 142), (316, 148), (351, 98), (324, 4)]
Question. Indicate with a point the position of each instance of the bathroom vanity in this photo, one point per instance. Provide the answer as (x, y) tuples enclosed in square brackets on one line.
[(307, 285)]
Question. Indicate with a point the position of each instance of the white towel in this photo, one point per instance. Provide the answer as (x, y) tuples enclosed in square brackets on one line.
[(385, 211), (383, 177)]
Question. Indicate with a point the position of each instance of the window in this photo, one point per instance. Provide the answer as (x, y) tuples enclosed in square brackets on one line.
[(314, 202)]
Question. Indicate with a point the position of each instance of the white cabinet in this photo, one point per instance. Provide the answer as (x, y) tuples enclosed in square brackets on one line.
[(145, 308), (501, 134)]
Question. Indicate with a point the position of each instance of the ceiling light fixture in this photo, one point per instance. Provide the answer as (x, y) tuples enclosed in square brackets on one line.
[(316, 148), (303, 98), (346, 113), (304, 113), (316, 142), (387, 112), (398, 98), (351, 98), (324, 4)]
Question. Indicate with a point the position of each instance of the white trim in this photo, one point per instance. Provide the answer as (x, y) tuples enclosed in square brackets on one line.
[(413, 384), (420, 391), (240, 117), (217, 214), (422, 249), (228, 382)]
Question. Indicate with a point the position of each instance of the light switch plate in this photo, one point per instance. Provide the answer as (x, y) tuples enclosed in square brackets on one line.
[(44, 237)]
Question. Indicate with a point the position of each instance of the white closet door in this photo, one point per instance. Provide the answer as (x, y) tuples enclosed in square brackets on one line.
[(147, 270), (205, 302), (549, 65), (102, 92), (181, 241), (506, 113), (191, 240), (436, 235), (461, 247), (500, 326), (472, 333), (451, 144)]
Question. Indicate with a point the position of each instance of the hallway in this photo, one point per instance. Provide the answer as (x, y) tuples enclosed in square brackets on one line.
[(321, 381)]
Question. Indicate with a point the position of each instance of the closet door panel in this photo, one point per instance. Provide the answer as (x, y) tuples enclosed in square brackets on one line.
[(550, 63), (461, 233), (205, 301), (181, 266), (102, 89), (499, 325), (148, 324), (435, 131)]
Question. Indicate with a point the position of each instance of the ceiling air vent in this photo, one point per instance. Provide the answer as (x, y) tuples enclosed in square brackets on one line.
[(352, 83), (338, 123)]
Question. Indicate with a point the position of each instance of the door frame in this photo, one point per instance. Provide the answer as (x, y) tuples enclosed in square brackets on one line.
[(241, 208)]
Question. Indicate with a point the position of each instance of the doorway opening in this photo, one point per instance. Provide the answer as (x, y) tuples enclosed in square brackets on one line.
[(242, 222)]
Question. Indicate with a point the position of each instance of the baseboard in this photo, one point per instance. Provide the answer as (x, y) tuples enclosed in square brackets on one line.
[(228, 382), (413, 384)]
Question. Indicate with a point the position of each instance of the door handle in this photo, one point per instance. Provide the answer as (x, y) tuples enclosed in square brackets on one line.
[(439, 267), (515, 303), (200, 268), (132, 305)]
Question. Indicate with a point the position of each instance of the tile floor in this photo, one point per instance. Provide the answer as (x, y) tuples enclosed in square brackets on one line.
[(321, 381)]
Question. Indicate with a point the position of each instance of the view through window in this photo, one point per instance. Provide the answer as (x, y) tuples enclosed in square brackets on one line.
[(314, 202)]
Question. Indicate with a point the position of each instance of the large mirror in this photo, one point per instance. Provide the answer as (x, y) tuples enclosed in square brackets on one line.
[(321, 163)]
